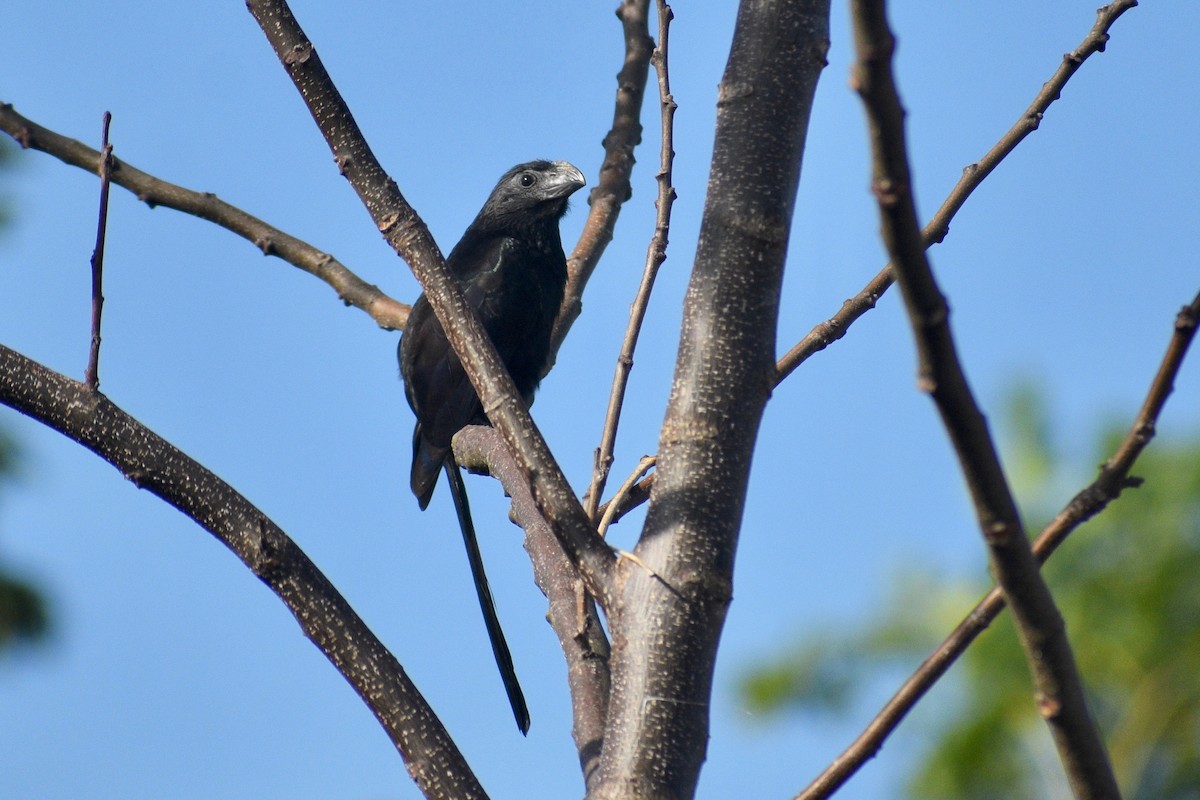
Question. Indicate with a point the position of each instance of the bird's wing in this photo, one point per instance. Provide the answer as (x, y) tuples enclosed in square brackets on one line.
[(436, 384), (516, 295), (438, 392)]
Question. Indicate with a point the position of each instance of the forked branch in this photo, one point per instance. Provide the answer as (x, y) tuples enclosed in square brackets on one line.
[(828, 332)]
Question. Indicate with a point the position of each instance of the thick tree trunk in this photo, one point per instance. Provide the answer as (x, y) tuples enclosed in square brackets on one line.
[(666, 625)]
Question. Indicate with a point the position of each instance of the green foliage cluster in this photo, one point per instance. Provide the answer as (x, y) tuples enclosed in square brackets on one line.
[(7, 149), (22, 610)]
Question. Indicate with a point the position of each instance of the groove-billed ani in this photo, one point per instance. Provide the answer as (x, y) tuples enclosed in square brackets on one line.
[(511, 268)]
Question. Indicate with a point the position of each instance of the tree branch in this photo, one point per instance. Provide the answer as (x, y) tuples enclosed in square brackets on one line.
[(636, 495), (1113, 479), (1043, 636), (656, 254), (613, 187), (351, 289), (151, 463), (645, 464), (668, 618), (572, 614), (606, 200), (828, 332), (92, 374), (410, 238), (834, 328)]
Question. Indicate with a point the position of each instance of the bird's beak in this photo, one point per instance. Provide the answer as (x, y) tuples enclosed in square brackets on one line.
[(565, 180)]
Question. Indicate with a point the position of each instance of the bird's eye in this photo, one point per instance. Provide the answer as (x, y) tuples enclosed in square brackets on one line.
[(528, 180)]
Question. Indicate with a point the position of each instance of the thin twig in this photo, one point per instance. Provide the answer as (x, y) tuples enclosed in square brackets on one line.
[(92, 375), (1040, 627), (656, 254), (388, 313), (638, 494), (644, 466), (828, 332), (1112, 480), (613, 187)]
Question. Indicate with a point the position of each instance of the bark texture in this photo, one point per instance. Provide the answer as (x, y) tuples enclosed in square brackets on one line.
[(669, 601)]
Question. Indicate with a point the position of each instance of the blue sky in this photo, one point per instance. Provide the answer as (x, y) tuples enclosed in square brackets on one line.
[(172, 672)]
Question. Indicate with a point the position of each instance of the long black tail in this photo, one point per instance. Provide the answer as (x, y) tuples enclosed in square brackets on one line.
[(516, 699)]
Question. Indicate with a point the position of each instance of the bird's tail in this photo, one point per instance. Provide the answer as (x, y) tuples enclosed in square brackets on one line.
[(426, 464), (458, 491)]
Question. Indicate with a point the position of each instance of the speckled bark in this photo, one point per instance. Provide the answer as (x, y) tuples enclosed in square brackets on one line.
[(571, 614), (666, 626)]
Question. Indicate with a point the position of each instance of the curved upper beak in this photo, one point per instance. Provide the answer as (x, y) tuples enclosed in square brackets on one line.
[(565, 180)]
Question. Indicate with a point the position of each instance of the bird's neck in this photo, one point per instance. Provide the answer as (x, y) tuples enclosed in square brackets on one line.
[(542, 234)]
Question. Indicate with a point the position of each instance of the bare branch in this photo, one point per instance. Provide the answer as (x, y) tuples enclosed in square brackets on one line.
[(644, 465), (1113, 479), (1043, 636), (407, 233), (352, 290), (151, 463), (622, 504), (613, 187), (828, 332), (92, 374), (655, 256), (572, 614)]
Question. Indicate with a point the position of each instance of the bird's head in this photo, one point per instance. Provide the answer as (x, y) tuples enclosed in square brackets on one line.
[(533, 192)]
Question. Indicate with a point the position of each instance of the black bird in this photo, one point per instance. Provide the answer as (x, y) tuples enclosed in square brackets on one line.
[(511, 268)]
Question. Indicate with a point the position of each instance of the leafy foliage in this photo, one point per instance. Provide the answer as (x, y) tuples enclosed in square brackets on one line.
[(22, 610), (23, 615)]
